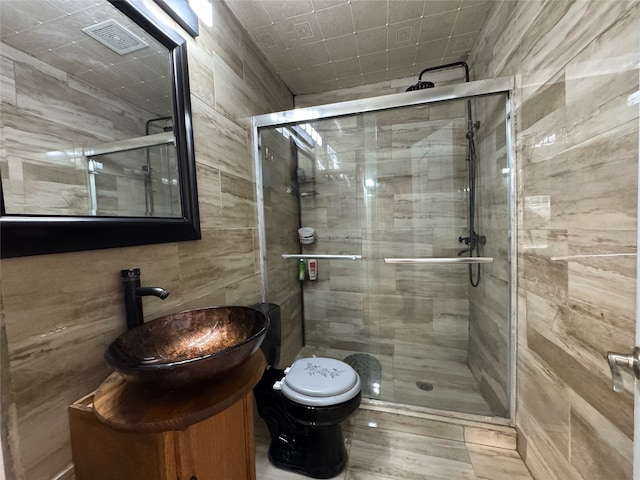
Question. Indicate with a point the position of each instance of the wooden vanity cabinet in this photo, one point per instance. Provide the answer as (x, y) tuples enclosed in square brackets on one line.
[(220, 446)]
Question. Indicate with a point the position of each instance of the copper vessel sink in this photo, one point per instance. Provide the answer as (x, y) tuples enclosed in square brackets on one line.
[(184, 349)]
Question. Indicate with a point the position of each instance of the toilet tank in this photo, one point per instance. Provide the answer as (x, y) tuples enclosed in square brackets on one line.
[(271, 345)]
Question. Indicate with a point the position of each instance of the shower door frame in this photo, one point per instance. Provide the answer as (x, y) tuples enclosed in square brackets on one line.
[(468, 90)]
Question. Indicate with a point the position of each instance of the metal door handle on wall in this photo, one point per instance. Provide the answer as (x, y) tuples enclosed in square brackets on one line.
[(630, 361)]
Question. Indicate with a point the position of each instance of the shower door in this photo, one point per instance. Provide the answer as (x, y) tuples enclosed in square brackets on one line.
[(394, 183)]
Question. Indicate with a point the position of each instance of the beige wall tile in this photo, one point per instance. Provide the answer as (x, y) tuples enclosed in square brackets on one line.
[(56, 337), (566, 120)]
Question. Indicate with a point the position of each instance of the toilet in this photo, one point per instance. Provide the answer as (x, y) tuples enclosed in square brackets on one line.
[(304, 405)]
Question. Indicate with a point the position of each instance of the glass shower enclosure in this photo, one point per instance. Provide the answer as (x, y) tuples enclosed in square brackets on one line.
[(394, 187)]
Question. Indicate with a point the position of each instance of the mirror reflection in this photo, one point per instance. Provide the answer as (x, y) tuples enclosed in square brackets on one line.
[(87, 112)]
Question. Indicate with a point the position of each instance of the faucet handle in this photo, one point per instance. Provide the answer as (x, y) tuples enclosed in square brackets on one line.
[(130, 273)]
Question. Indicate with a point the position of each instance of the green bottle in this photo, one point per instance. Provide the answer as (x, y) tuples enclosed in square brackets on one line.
[(301, 273)]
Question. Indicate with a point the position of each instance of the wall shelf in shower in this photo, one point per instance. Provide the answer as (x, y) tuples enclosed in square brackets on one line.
[(321, 256), (439, 260)]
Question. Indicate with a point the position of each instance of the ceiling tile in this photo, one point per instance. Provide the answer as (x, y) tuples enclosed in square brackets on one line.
[(460, 45), (373, 62), (437, 26), (312, 54), (349, 67), (371, 41), (41, 11), (281, 61), (401, 72), (430, 53), (469, 3), (300, 30), (73, 6), (322, 4), (375, 77), (470, 19), (369, 14), (326, 86), (336, 21), (401, 10), (349, 82), (282, 9), (295, 79), (66, 59), (323, 72), (46, 36), (400, 57), (342, 47), (404, 33), (313, 42), (14, 20), (267, 38), (158, 62), (251, 14), (433, 7)]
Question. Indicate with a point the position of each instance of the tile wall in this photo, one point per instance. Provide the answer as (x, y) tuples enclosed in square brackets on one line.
[(576, 109), (59, 312)]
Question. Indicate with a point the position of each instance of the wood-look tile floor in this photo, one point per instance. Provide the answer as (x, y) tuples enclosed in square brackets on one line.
[(384, 446), (454, 387)]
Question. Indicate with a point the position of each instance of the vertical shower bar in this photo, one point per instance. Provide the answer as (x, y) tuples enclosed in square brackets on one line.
[(473, 240)]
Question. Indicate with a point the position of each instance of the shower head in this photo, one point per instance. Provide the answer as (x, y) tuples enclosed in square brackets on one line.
[(421, 85)]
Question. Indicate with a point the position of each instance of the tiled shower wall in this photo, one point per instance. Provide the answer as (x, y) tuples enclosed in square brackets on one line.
[(389, 184), (576, 108), (59, 312), (40, 103)]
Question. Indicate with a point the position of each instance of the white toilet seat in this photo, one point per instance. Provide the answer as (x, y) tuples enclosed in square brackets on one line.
[(320, 382)]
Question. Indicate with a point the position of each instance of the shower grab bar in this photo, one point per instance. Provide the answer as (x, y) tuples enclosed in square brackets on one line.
[(322, 256), (439, 260)]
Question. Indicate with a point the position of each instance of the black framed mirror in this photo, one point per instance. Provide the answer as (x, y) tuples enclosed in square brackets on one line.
[(123, 207)]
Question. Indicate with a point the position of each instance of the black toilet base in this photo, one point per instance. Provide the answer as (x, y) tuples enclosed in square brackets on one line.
[(317, 452), (304, 440)]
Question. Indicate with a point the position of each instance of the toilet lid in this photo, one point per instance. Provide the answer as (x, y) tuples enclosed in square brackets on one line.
[(320, 381)]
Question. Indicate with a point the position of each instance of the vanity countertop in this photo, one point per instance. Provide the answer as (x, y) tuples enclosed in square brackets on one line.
[(127, 406)]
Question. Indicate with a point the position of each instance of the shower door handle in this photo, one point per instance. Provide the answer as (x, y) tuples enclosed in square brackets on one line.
[(439, 260), (630, 361)]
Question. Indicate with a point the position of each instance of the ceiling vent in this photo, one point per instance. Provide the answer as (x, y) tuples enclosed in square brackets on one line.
[(115, 36)]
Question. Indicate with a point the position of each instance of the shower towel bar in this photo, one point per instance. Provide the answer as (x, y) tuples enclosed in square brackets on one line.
[(444, 260), (131, 144), (323, 256)]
